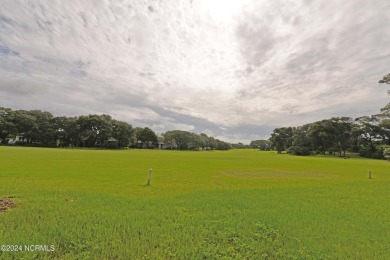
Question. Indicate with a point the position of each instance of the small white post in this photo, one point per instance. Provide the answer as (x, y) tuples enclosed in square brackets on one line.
[(369, 174), (150, 176)]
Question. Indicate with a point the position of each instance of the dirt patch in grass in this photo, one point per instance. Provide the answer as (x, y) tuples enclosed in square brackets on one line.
[(6, 203)]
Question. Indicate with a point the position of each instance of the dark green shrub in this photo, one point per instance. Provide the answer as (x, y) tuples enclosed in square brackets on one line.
[(298, 150)]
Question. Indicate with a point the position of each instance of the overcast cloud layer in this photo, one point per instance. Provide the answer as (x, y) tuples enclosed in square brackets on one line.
[(232, 69)]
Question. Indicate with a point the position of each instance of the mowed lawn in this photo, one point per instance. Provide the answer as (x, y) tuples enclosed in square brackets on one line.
[(240, 204)]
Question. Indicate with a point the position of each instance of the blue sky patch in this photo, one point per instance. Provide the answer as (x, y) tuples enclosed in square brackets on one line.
[(4, 50)]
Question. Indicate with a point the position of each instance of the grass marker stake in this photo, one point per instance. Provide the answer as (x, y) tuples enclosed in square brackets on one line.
[(150, 176)]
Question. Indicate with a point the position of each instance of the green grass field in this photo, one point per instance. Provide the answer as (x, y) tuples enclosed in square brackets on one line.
[(240, 204)]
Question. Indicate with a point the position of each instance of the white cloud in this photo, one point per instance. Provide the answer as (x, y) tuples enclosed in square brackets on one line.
[(227, 67)]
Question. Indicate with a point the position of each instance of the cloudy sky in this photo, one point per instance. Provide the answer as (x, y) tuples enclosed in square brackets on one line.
[(233, 69)]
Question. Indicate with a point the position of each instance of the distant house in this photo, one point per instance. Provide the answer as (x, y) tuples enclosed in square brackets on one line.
[(111, 143), (162, 145), (18, 139), (154, 145), (141, 144), (108, 143)]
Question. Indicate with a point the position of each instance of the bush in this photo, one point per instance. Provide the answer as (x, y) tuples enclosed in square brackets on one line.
[(386, 153), (376, 153), (298, 150)]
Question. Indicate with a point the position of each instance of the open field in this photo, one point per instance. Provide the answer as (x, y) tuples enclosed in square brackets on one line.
[(232, 204)]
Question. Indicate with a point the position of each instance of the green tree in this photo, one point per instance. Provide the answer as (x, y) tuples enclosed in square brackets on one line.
[(169, 138), (95, 129), (263, 145), (322, 136), (385, 112), (146, 135), (182, 139), (221, 145), (43, 132), (385, 80), (7, 125), (134, 134), (301, 144), (369, 136), (25, 124), (281, 138), (343, 127), (204, 141), (66, 131), (122, 132)]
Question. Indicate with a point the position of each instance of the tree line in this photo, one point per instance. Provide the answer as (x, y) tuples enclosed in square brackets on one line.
[(184, 140), (367, 135), (41, 128)]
